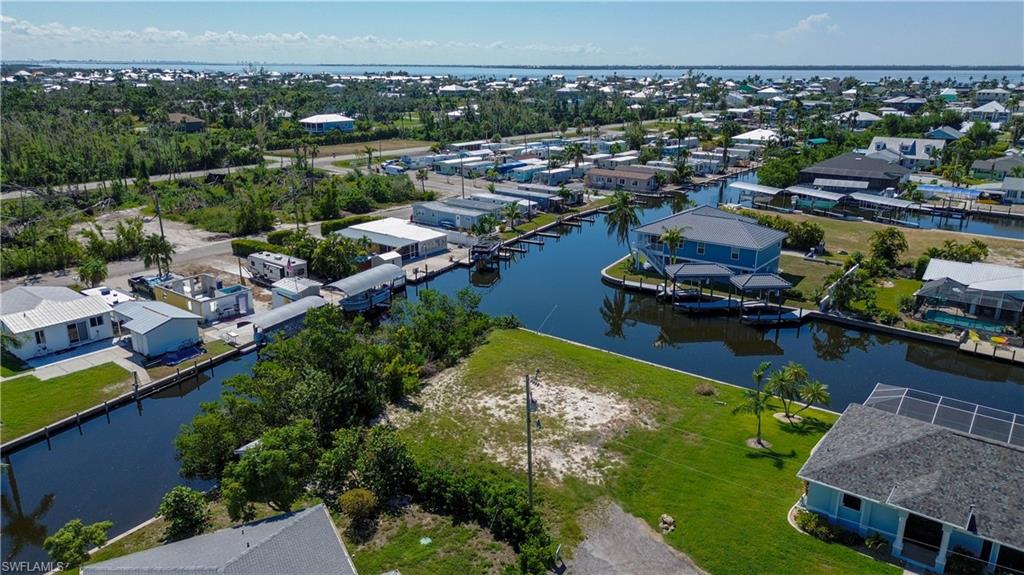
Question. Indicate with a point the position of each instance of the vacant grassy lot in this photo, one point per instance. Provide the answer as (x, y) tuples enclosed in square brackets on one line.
[(29, 404), (854, 236), (889, 295), (687, 457), (360, 162), (806, 276), (357, 147)]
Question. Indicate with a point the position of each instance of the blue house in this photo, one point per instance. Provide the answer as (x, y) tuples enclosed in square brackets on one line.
[(932, 475), (714, 236)]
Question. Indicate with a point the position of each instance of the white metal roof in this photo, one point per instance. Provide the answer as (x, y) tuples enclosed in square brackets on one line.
[(987, 277), (31, 308), (325, 119), (395, 228), (368, 279), (145, 316)]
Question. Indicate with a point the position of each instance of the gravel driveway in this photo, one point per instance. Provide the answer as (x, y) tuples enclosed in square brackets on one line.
[(619, 543)]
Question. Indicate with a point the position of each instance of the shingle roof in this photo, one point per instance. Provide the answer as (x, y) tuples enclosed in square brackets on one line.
[(925, 469), (35, 307), (145, 316), (301, 543), (852, 164), (714, 226)]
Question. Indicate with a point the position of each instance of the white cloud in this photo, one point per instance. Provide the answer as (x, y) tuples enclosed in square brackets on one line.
[(22, 33), (804, 26)]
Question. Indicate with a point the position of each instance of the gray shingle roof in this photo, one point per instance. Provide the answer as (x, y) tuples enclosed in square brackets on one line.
[(857, 166), (925, 469), (301, 543), (714, 226)]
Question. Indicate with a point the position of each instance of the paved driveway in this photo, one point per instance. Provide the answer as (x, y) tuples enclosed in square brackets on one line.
[(90, 356)]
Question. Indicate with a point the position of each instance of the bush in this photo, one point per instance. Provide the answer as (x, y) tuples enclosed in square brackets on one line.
[(331, 226), (71, 544), (506, 322), (920, 265), (815, 525), (185, 511), (876, 542), (281, 237), (887, 317), (705, 389), (243, 247), (359, 504), (962, 562), (906, 303)]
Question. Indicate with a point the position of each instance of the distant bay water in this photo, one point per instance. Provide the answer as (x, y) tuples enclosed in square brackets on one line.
[(1015, 75)]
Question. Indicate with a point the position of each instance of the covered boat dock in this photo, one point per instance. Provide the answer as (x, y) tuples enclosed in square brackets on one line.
[(368, 289)]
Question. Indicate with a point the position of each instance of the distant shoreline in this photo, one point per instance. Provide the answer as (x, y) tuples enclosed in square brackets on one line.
[(850, 67)]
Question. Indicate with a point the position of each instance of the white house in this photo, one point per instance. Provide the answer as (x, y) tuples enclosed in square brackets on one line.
[(323, 123), (157, 328), (51, 319)]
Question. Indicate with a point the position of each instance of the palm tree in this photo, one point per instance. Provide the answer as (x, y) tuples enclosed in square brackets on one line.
[(729, 129), (814, 392), (157, 250), (510, 212), (672, 238), (622, 218), (573, 153), (754, 400), (368, 152), (92, 271), (422, 175)]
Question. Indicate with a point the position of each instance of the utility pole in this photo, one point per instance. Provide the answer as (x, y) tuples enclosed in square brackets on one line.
[(529, 436), (462, 173)]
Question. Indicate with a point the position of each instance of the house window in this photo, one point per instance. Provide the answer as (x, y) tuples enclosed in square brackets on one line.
[(96, 321), (40, 337), (73, 335), (622, 181), (700, 249), (735, 255), (851, 502)]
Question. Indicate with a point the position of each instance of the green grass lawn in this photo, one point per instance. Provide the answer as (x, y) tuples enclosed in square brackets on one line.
[(11, 365), (621, 271), (889, 297), (213, 348), (806, 276), (361, 162), (29, 404), (854, 236), (452, 549), (730, 502)]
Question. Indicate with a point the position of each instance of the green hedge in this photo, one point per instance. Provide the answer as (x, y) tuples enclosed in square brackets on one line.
[(243, 247), (280, 237), (331, 226)]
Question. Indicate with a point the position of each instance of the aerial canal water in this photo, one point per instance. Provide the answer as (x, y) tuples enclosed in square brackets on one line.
[(119, 470)]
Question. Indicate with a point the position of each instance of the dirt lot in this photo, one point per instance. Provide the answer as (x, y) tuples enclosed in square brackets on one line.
[(182, 236), (357, 147), (571, 422)]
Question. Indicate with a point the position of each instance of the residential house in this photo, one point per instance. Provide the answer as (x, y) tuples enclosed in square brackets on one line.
[(879, 174), (997, 168), (990, 112), (185, 122), (1013, 190), (156, 328), (49, 320), (946, 133), (857, 119), (913, 153), (447, 215), (988, 291), (629, 180), (929, 474), (205, 296), (394, 234), (323, 123), (907, 104), (305, 542), (987, 95), (715, 236)]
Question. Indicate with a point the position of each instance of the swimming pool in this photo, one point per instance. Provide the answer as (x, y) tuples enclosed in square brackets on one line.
[(944, 318)]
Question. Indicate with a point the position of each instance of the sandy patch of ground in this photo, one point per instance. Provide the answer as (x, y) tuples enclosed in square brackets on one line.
[(574, 422), (182, 236)]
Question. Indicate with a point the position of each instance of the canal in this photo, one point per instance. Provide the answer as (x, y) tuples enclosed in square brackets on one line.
[(116, 470)]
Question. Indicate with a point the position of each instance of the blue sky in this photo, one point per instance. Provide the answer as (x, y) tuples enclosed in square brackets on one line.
[(760, 33)]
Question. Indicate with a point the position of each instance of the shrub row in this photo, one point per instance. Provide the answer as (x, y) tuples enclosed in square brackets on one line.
[(817, 526), (243, 247), (331, 226), (280, 237)]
